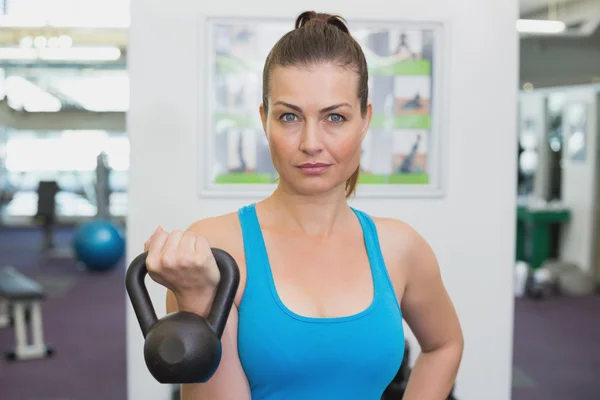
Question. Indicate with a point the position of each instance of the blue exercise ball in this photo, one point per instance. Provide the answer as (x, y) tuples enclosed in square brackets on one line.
[(99, 245)]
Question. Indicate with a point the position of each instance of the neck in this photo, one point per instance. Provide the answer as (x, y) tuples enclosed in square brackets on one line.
[(312, 215)]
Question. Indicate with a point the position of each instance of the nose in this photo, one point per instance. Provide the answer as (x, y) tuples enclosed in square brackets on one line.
[(311, 142)]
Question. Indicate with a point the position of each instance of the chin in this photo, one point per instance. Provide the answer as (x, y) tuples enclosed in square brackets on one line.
[(316, 188)]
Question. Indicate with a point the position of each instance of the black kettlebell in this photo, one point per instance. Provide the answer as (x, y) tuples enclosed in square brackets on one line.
[(183, 347)]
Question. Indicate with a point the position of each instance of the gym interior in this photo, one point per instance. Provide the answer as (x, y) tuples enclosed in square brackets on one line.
[(119, 116)]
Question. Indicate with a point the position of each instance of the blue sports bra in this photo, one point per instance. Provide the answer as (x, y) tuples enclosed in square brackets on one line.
[(290, 357)]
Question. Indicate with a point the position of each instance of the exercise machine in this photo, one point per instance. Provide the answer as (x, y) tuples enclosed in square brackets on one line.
[(102, 187), (20, 295), (46, 211)]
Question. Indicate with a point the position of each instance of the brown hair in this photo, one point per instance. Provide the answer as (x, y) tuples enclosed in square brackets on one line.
[(317, 38)]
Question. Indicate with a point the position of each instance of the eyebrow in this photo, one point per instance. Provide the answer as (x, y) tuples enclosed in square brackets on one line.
[(322, 111)]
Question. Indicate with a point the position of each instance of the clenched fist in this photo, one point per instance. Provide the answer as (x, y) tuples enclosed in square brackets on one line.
[(182, 262)]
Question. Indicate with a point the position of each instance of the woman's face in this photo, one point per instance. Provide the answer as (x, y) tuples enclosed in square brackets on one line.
[(314, 126)]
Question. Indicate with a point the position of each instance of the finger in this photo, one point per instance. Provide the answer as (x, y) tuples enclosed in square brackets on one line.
[(147, 243), (169, 250), (155, 248), (187, 248), (206, 258)]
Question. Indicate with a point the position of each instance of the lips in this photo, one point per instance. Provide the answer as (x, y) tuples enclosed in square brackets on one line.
[(314, 165), (314, 168)]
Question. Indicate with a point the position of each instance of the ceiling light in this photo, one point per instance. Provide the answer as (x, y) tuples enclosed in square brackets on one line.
[(60, 54), (540, 26)]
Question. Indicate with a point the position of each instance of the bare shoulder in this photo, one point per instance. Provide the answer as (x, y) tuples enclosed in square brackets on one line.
[(400, 235), (392, 226), (405, 250), (221, 231)]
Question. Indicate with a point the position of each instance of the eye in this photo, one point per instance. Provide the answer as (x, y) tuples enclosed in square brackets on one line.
[(336, 118), (288, 117)]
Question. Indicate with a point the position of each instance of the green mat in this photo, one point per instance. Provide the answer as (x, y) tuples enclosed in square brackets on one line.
[(402, 121), (401, 68), (245, 178), (394, 179)]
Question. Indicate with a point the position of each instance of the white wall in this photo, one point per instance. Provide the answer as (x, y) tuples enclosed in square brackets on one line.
[(471, 229)]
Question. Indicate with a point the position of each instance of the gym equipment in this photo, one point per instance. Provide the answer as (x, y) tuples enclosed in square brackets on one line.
[(99, 245), (576, 283), (46, 210), (521, 274), (183, 347), (5, 319), (102, 186), (541, 283), (536, 219), (571, 280), (22, 294)]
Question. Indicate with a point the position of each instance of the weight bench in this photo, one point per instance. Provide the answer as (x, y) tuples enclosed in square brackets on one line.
[(19, 295)]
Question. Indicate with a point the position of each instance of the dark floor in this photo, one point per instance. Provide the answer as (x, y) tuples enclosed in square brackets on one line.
[(557, 349), (84, 319), (557, 341)]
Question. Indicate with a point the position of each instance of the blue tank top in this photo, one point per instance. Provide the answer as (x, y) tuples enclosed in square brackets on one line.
[(287, 356)]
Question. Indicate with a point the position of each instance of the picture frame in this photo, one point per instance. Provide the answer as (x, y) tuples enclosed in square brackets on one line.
[(403, 152)]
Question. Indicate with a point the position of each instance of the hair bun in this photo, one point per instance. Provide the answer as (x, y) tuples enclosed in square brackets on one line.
[(312, 17), (303, 18)]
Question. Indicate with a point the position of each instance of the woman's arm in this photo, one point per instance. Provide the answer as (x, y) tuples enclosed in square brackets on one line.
[(229, 381), (429, 312)]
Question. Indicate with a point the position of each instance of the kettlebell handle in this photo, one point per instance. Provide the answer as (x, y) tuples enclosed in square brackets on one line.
[(222, 303)]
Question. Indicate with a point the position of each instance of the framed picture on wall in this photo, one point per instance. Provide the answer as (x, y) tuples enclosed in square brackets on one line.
[(401, 153)]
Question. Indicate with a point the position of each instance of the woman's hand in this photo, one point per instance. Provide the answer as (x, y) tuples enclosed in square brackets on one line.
[(183, 263)]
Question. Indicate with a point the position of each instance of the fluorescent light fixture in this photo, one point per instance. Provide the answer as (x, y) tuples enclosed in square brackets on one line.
[(60, 54), (17, 53), (96, 93), (106, 20), (81, 53), (24, 95), (540, 26)]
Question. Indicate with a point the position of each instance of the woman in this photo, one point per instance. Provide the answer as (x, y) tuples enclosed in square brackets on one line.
[(324, 287)]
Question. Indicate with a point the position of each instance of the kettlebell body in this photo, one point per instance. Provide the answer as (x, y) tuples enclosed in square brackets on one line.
[(178, 341), (183, 347)]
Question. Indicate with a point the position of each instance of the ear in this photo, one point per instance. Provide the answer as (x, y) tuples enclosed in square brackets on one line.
[(263, 117), (367, 120)]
